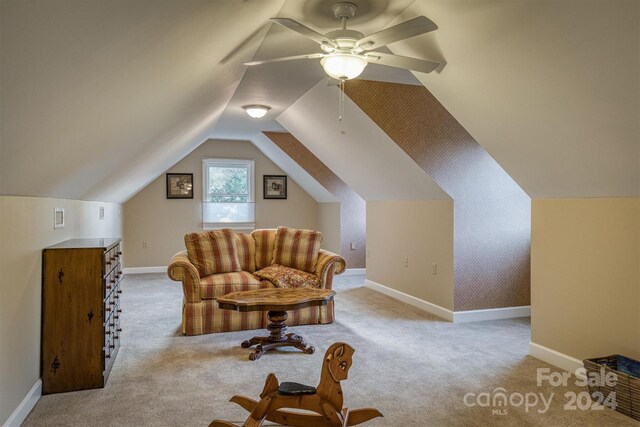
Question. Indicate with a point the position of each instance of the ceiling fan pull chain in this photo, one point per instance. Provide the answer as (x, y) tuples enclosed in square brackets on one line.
[(341, 100)]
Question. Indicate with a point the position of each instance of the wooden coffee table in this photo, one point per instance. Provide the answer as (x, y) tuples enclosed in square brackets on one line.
[(276, 301)]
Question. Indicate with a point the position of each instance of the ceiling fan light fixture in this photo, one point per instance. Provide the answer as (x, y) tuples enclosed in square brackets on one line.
[(256, 111), (343, 66)]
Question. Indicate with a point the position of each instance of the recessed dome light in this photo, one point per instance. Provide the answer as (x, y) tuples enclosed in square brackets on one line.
[(256, 111)]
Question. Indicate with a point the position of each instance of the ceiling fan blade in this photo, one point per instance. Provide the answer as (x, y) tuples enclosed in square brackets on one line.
[(287, 58), (410, 28), (304, 30), (405, 62)]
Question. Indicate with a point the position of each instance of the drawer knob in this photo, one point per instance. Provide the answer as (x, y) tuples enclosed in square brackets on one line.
[(119, 310), (55, 365), (112, 346), (119, 329), (119, 291), (112, 324), (119, 253), (108, 356)]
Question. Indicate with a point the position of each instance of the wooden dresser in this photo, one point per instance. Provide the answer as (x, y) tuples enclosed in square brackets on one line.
[(80, 313)]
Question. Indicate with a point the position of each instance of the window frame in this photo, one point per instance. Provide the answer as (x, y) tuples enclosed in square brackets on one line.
[(249, 164)]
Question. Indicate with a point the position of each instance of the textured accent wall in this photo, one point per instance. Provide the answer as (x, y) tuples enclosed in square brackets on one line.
[(492, 215), (352, 206)]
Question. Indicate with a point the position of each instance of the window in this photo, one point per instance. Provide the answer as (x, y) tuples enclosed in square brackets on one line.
[(227, 199)]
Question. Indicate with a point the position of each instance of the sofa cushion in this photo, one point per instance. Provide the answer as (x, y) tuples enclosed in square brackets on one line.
[(287, 277), (297, 248), (213, 252), (246, 252), (216, 285), (264, 246)]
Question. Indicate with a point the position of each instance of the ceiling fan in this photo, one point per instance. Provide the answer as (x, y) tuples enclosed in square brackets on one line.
[(347, 52)]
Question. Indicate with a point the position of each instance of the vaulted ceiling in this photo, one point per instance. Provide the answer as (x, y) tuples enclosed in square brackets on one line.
[(98, 98)]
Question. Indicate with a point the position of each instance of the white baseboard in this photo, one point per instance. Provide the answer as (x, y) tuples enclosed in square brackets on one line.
[(452, 316), (556, 358), (354, 271), (491, 314), (434, 309), (144, 270), (20, 414)]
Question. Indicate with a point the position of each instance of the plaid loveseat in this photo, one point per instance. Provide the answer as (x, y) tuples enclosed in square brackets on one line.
[(202, 285)]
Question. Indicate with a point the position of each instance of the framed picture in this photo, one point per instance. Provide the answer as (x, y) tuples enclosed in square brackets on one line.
[(275, 186), (179, 186)]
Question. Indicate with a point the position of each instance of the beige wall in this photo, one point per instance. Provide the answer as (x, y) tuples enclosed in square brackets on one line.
[(329, 223), (421, 231), (27, 228), (162, 223), (585, 290)]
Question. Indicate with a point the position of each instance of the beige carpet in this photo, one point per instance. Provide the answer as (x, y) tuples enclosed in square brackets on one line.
[(413, 367)]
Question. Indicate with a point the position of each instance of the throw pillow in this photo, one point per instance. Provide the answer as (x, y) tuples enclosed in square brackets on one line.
[(246, 252), (264, 239), (286, 277), (297, 248), (213, 252)]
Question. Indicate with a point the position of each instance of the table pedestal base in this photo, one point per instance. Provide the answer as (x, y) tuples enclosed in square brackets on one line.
[(277, 338)]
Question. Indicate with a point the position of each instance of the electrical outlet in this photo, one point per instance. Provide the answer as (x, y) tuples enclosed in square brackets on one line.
[(352, 246), (434, 268), (406, 261), (101, 212), (144, 245)]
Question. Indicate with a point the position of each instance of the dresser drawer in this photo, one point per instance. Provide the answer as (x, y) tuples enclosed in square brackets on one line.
[(112, 338), (109, 306), (111, 280), (109, 283), (112, 258)]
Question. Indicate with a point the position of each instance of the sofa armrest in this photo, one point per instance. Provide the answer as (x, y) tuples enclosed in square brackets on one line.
[(182, 270), (329, 264)]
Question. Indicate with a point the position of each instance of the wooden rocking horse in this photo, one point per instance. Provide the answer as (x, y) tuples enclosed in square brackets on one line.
[(325, 400)]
